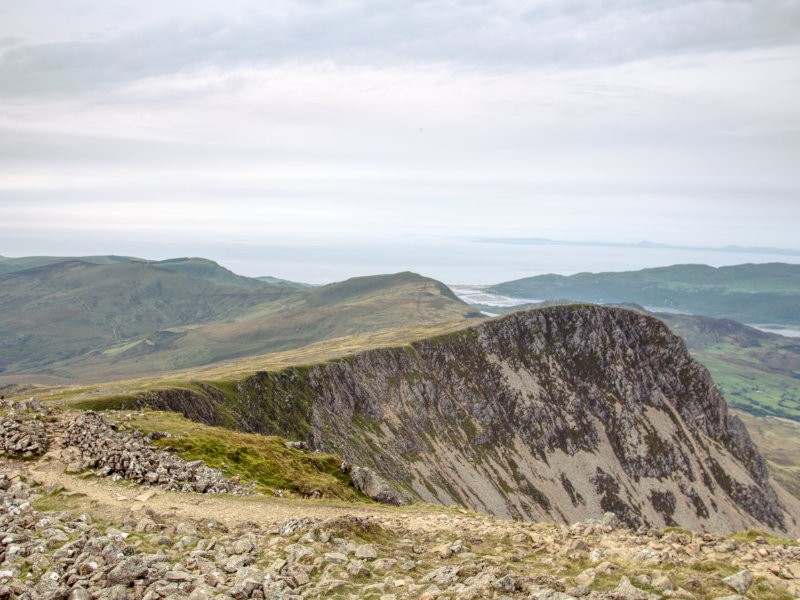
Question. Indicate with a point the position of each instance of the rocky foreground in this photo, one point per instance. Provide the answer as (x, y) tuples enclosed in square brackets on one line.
[(70, 554), (58, 542)]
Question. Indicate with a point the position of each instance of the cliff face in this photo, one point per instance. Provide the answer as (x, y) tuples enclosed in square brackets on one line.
[(557, 414)]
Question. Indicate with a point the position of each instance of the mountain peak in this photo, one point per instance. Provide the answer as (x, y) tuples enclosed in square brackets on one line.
[(559, 413)]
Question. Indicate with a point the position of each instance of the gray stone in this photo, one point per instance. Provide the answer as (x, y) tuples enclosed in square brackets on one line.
[(443, 575), (242, 546), (505, 584), (336, 557), (296, 575), (740, 582), (610, 520), (366, 551), (660, 582), (372, 485), (586, 577), (627, 591), (79, 593), (127, 571), (234, 563), (202, 591), (357, 569)]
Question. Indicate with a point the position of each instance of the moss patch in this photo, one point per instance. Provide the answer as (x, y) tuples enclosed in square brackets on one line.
[(262, 460)]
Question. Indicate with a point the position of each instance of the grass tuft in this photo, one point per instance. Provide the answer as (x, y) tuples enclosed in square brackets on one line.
[(262, 460)]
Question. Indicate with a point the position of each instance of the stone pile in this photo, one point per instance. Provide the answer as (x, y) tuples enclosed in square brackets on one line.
[(31, 404), (90, 443), (23, 437), (57, 556)]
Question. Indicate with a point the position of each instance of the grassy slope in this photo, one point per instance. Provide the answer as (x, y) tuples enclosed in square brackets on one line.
[(225, 372), (779, 442), (283, 282), (55, 312), (12, 265), (121, 319), (295, 322), (261, 460), (757, 372), (199, 268), (766, 293)]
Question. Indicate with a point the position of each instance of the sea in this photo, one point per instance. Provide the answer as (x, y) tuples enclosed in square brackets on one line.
[(462, 261)]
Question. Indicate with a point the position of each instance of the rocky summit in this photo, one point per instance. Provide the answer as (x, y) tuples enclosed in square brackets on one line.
[(555, 414)]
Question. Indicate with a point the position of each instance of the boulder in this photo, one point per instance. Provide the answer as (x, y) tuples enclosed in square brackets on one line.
[(372, 485)]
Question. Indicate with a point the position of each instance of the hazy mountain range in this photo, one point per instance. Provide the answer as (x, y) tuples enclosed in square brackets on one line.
[(95, 318)]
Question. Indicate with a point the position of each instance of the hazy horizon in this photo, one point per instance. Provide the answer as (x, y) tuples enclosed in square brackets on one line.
[(455, 262)]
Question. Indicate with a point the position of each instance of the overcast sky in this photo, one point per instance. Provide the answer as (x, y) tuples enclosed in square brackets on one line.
[(251, 132)]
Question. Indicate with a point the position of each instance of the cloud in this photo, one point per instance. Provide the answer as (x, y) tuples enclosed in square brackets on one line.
[(483, 34), (307, 121)]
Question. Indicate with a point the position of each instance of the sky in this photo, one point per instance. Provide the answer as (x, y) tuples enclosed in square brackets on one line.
[(318, 140)]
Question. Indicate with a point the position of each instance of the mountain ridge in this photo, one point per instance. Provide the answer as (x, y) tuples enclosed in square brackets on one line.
[(554, 414), (116, 317)]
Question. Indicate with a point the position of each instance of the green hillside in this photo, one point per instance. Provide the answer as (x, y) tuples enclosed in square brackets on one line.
[(750, 293), (200, 268), (283, 282), (208, 270), (11, 265), (114, 317), (757, 372), (61, 310)]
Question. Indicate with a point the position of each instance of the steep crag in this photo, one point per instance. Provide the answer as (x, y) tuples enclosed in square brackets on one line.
[(560, 413)]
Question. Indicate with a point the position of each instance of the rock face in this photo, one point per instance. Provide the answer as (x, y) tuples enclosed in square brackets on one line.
[(561, 413)]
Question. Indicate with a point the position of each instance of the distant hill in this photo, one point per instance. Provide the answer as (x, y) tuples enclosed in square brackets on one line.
[(114, 317), (208, 270), (750, 293), (200, 268), (283, 282), (11, 265), (61, 310)]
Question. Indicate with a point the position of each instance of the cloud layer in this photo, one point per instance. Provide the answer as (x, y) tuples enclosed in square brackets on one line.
[(328, 121)]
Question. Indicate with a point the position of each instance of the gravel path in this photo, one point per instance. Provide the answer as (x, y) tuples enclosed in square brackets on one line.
[(117, 499)]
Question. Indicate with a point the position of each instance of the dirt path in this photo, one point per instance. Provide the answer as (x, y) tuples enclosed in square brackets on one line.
[(119, 499)]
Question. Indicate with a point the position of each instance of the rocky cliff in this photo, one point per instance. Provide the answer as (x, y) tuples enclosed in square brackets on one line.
[(558, 414)]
